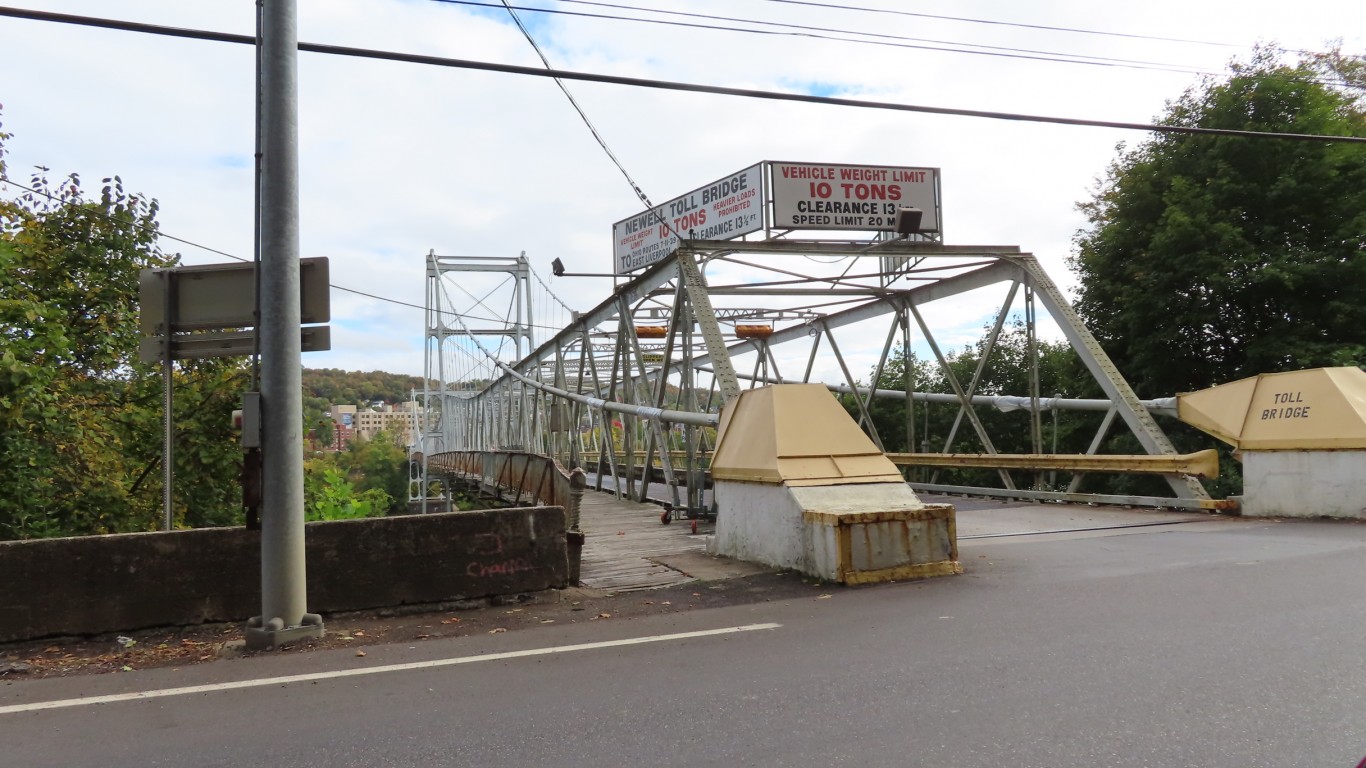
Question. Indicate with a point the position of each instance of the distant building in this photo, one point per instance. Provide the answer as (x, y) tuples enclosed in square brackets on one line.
[(343, 426), (343, 415), (397, 420), (343, 436), (365, 421)]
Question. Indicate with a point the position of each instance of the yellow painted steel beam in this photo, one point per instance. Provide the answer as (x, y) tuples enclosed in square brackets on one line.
[(1200, 464)]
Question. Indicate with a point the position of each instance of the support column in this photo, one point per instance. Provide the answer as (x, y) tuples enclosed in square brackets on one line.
[(283, 616)]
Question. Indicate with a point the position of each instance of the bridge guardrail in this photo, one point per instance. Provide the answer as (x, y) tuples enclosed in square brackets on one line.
[(541, 478)]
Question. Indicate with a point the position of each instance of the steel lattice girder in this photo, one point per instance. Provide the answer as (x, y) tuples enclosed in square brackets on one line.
[(969, 268)]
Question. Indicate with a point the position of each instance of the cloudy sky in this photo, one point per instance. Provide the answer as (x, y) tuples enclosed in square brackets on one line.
[(398, 160)]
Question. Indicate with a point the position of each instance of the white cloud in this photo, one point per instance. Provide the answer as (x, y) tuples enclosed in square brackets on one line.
[(400, 159)]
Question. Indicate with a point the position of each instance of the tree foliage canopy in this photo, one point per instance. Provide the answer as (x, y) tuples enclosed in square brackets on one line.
[(1211, 258), (335, 386), (1006, 373), (80, 416)]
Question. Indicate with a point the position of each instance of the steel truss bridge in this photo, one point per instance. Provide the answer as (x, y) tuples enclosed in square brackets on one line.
[(638, 380)]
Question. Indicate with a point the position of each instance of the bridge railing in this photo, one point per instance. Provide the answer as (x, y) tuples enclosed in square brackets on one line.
[(594, 394), (519, 476)]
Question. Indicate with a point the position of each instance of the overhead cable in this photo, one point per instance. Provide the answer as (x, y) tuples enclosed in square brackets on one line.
[(1000, 53), (640, 193), (995, 22), (1062, 56), (156, 232), (639, 82)]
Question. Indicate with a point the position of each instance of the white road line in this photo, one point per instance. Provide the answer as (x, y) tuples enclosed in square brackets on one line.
[(187, 690)]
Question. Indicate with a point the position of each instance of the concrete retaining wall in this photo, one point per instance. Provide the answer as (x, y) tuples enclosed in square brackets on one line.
[(123, 582), (1304, 484)]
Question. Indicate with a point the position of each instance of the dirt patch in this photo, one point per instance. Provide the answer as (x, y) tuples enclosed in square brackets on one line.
[(202, 644)]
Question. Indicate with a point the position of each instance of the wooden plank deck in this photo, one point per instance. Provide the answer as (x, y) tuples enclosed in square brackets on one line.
[(621, 536)]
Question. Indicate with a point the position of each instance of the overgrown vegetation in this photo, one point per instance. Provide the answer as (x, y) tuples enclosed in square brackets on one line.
[(1212, 258), (81, 416), (368, 479), (80, 437)]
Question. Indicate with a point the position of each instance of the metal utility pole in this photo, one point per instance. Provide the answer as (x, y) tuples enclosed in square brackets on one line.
[(283, 616)]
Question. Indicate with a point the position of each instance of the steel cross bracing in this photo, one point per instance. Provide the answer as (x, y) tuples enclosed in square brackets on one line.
[(601, 394)]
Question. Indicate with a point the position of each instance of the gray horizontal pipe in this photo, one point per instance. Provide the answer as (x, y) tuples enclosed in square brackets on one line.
[(1164, 406), (663, 414)]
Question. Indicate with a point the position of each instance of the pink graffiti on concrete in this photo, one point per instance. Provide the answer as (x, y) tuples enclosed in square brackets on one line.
[(488, 544), (508, 567)]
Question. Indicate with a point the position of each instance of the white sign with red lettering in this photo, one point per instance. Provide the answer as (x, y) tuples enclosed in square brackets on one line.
[(727, 208), (823, 196)]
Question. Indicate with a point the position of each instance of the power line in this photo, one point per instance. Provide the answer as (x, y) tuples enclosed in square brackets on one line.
[(153, 230), (670, 85), (1048, 57), (1021, 25), (883, 40), (1073, 58), (156, 231), (640, 193)]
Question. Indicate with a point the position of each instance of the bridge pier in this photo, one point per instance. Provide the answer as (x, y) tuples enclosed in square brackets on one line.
[(799, 486)]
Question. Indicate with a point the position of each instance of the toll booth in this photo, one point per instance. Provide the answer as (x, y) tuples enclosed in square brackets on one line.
[(798, 485), (1300, 435)]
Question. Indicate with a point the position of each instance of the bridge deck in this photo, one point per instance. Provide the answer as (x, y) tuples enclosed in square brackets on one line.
[(623, 540)]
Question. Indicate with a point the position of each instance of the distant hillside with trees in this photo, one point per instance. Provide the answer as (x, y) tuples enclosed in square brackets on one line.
[(334, 385)]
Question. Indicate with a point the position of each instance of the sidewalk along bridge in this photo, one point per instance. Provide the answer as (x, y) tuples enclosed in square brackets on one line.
[(632, 388)]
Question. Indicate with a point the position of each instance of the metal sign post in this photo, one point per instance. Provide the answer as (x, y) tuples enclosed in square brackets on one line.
[(168, 414)]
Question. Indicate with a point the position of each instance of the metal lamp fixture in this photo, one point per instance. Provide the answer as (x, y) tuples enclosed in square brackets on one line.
[(557, 269), (907, 220)]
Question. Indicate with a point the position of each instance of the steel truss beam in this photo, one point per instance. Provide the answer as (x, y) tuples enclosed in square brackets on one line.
[(625, 386)]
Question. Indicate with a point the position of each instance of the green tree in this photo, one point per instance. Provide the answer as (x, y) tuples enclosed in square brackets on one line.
[(378, 464), (328, 495), (333, 386), (326, 432), (80, 416), (1006, 373), (1211, 258)]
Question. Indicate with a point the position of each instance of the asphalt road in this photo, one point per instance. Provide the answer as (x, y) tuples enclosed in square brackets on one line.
[(1219, 643)]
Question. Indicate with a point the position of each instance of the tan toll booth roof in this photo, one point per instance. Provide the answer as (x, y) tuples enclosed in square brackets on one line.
[(797, 434), (1317, 409)]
